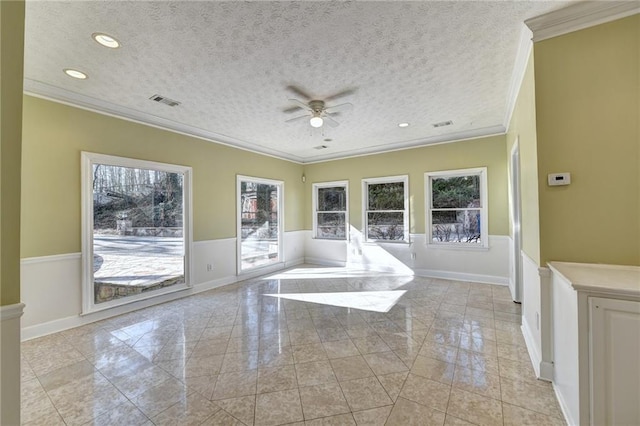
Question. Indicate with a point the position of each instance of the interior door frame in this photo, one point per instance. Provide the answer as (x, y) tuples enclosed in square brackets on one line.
[(515, 209)]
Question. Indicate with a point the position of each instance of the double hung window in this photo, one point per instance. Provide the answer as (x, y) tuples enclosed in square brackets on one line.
[(330, 210), (457, 207), (386, 208)]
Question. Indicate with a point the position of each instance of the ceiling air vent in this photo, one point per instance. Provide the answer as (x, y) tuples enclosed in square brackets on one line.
[(320, 147), (443, 123), (164, 100)]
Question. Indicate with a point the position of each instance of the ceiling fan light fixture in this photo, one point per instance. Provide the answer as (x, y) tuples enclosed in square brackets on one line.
[(316, 121)]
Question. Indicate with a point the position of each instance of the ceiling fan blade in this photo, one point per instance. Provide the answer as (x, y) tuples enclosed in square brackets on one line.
[(300, 118), (298, 91), (340, 95), (330, 121), (341, 107), (300, 104), (291, 109)]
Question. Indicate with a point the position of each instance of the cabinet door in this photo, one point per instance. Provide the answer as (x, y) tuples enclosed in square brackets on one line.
[(614, 346)]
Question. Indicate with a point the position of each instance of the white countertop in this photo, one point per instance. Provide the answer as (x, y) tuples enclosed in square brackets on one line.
[(613, 279)]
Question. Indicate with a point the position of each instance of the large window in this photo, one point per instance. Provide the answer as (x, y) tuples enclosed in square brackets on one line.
[(330, 207), (259, 222), (136, 231), (386, 208), (457, 207)]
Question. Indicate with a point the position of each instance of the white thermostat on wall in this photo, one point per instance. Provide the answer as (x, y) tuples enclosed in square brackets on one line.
[(556, 179)]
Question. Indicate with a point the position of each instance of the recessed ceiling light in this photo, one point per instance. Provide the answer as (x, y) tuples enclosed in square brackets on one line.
[(75, 74), (403, 125), (106, 40)]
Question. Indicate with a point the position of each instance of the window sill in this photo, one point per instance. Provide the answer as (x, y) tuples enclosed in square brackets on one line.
[(457, 246), (378, 242)]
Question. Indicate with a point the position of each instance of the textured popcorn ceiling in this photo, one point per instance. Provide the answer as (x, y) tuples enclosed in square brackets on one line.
[(229, 64)]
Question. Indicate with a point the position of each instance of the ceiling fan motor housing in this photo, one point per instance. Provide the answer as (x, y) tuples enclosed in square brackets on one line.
[(316, 106)]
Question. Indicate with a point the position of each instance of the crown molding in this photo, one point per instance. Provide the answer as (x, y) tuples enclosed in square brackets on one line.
[(66, 97), (580, 15), (519, 69), (461, 136), (56, 94)]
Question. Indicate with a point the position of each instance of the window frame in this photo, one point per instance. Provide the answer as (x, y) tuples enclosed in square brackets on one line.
[(88, 159), (333, 184), (481, 172), (365, 204), (280, 185)]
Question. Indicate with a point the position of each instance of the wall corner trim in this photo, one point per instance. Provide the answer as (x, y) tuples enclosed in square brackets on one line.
[(544, 272), (546, 371), (9, 312), (579, 16)]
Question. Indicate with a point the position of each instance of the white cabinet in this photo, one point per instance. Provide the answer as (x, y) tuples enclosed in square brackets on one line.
[(596, 342), (614, 346)]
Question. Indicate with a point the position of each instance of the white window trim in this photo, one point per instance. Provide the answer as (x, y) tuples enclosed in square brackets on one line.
[(281, 260), (484, 223), (320, 185), (365, 203), (88, 159)]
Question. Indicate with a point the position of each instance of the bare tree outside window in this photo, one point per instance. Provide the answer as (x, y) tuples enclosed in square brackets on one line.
[(138, 240), (331, 211), (456, 207)]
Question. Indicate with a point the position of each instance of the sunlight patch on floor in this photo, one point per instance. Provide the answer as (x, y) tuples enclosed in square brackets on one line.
[(328, 272), (377, 301)]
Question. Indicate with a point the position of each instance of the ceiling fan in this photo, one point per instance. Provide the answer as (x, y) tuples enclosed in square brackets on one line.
[(317, 111)]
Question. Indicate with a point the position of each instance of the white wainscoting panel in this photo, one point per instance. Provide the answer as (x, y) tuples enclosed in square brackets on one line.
[(51, 286), (294, 247), (487, 266), (566, 333), (537, 317), (220, 254), (324, 252)]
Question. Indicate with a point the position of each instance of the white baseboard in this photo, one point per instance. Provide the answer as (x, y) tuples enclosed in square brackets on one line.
[(324, 262), (295, 262), (564, 407), (461, 276)]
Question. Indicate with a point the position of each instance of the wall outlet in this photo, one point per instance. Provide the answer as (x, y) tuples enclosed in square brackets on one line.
[(209, 267)]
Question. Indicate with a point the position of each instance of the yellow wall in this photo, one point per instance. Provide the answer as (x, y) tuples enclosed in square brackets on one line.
[(587, 94), (54, 136), (523, 128), (415, 162), (11, 71)]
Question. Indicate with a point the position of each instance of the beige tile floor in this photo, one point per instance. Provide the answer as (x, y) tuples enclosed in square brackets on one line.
[(448, 352)]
